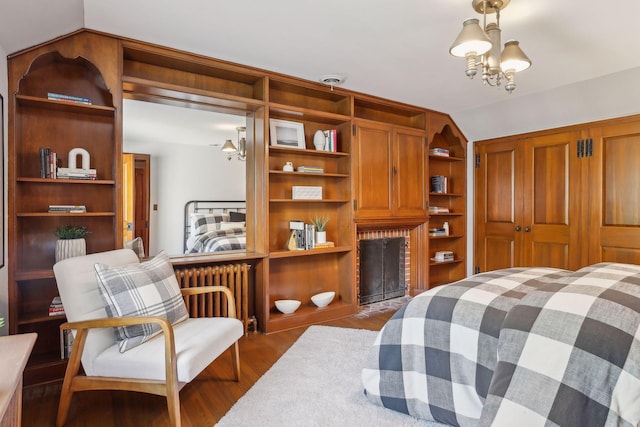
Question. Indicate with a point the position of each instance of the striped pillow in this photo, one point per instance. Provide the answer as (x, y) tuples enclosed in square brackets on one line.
[(146, 289)]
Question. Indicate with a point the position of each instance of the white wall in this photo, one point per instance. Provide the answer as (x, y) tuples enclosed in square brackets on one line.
[(180, 173)]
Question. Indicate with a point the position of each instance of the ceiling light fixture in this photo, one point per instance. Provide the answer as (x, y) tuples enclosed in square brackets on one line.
[(332, 80), (474, 42), (241, 150)]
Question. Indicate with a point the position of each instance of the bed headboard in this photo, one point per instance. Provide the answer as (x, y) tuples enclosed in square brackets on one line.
[(212, 207)]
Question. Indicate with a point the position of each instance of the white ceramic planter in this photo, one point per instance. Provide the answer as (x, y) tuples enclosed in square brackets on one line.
[(321, 237), (69, 248)]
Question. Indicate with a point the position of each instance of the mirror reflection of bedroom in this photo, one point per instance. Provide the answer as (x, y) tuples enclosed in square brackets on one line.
[(173, 156)]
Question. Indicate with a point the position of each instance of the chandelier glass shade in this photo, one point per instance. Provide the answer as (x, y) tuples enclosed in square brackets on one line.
[(480, 46), (239, 151)]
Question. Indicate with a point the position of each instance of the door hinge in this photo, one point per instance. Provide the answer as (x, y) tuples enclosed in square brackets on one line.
[(579, 148), (426, 205), (589, 147), (355, 204), (353, 130), (477, 270), (477, 161)]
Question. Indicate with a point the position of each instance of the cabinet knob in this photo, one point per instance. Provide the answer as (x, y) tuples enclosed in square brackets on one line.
[(527, 229), (518, 228)]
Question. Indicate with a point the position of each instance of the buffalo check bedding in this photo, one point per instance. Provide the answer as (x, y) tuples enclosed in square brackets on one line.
[(218, 240), (519, 346)]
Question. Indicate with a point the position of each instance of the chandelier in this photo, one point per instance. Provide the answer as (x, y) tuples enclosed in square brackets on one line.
[(481, 48), (240, 152)]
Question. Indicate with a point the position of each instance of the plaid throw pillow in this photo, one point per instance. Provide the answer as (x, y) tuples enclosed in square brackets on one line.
[(203, 223), (146, 289)]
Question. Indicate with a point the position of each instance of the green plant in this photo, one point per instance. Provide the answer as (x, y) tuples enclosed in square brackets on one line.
[(66, 232), (320, 222)]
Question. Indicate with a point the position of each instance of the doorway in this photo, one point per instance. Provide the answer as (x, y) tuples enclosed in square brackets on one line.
[(136, 188)]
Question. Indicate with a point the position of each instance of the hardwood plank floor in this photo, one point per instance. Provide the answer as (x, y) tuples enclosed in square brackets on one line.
[(203, 402)]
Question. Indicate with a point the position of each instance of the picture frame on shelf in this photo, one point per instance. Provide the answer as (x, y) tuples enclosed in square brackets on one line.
[(284, 133)]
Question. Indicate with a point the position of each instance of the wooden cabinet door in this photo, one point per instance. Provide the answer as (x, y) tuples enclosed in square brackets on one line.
[(551, 201), (373, 169), (613, 231), (498, 205), (409, 194)]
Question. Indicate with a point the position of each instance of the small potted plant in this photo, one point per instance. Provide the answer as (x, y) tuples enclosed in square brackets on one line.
[(71, 241), (320, 222)]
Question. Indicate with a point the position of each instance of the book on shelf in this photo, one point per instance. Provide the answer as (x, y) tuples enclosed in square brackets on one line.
[(325, 245), (331, 136), (48, 163), (439, 184), (66, 343), (438, 209), (68, 208), (76, 173), (439, 231), (443, 152), (55, 307), (69, 98), (310, 169), (309, 236)]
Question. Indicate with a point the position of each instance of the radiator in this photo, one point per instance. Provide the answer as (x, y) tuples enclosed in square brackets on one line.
[(233, 276)]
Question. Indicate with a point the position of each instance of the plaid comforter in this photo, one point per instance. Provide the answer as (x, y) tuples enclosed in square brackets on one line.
[(566, 345), (219, 240)]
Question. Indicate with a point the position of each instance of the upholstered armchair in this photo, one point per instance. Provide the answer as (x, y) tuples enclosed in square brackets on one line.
[(151, 351)]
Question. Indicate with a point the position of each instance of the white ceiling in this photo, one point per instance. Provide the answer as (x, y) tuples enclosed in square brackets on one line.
[(393, 49)]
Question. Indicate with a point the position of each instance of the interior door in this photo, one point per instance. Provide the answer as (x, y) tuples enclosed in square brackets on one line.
[(498, 205), (128, 197), (551, 201), (614, 183)]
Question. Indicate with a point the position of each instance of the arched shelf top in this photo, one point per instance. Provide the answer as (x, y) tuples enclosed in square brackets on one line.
[(69, 78), (447, 138)]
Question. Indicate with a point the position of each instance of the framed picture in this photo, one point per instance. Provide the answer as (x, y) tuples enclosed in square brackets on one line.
[(287, 134)]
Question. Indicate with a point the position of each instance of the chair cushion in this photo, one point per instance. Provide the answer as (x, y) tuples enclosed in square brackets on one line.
[(146, 289), (198, 343)]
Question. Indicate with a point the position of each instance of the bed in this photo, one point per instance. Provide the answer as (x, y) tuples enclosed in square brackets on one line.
[(519, 346), (214, 226)]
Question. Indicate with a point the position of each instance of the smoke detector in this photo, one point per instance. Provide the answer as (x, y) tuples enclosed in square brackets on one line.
[(332, 80)]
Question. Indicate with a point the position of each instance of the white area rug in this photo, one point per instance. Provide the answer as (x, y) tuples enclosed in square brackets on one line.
[(317, 383)]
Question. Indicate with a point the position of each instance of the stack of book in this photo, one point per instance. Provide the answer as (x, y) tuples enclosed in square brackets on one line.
[(324, 245), (68, 208), (310, 169), (438, 209), (439, 152), (48, 163), (69, 98), (309, 236), (439, 184), (76, 173), (56, 308), (440, 231)]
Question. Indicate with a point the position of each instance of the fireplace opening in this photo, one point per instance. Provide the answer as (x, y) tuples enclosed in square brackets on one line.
[(382, 269)]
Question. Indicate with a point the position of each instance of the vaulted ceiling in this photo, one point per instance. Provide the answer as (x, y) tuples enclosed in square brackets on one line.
[(585, 57)]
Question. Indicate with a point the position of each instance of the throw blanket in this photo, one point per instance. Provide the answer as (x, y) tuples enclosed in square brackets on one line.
[(219, 240), (566, 346), (435, 357)]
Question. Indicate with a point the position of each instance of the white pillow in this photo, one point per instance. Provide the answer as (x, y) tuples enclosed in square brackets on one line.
[(146, 289), (224, 225)]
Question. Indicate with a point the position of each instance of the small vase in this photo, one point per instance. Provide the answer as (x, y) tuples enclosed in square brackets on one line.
[(69, 248), (321, 237), (288, 167), (319, 140)]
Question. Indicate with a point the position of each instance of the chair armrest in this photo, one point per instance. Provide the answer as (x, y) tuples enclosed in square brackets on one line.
[(231, 301), (83, 326)]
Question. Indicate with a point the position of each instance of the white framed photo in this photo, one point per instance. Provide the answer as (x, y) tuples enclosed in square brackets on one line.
[(287, 134)]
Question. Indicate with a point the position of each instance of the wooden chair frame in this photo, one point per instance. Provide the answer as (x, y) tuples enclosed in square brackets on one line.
[(170, 388)]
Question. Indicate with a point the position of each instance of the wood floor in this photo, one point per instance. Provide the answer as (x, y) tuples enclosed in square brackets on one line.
[(203, 402)]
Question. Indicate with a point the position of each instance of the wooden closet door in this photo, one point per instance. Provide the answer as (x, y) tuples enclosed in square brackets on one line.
[(498, 205), (409, 173), (614, 189), (551, 201)]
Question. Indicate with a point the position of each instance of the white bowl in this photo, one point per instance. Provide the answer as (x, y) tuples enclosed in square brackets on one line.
[(287, 306), (323, 299)]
